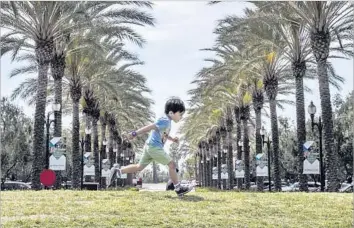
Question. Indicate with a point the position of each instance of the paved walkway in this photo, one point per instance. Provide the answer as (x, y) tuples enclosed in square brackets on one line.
[(155, 187)]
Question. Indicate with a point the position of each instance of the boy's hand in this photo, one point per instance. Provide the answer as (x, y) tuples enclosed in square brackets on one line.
[(128, 136), (176, 140)]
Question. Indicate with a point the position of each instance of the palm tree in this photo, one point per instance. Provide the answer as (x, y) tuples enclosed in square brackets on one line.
[(238, 139), (229, 128), (92, 109), (291, 28), (43, 23), (325, 21), (258, 101), (271, 69), (245, 116), (111, 127), (50, 37), (293, 40)]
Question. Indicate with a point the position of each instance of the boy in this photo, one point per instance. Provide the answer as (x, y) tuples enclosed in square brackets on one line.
[(153, 149)]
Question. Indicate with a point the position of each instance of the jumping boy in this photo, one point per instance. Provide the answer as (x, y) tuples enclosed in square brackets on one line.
[(153, 149)]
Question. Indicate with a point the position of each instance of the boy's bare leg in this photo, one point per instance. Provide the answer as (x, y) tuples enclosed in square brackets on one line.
[(173, 173), (116, 173), (180, 190), (132, 168)]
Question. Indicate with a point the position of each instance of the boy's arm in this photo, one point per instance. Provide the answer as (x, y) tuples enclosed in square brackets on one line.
[(172, 139), (146, 129), (160, 123)]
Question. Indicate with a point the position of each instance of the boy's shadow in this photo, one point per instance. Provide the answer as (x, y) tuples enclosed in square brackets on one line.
[(192, 198)]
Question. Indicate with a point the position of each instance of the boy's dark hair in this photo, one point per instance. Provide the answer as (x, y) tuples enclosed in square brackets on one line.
[(175, 105)]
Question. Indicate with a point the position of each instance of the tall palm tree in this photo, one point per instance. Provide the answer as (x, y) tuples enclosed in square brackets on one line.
[(229, 128), (92, 109), (291, 37), (238, 139), (270, 68), (111, 127), (258, 101), (51, 29), (291, 28), (42, 23), (325, 21), (245, 116), (75, 93)]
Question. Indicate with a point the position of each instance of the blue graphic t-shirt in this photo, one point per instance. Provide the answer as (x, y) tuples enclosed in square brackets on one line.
[(157, 138)]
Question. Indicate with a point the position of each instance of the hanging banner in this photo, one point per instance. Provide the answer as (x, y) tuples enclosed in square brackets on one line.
[(311, 163), (89, 168), (262, 165), (239, 169), (57, 161), (106, 171), (87, 157), (215, 173), (55, 142), (224, 172)]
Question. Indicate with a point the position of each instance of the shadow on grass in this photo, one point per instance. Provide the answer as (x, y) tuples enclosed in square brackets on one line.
[(192, 198)]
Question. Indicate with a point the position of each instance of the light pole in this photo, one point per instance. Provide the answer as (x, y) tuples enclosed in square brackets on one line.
[(268, 142), (312, 112)]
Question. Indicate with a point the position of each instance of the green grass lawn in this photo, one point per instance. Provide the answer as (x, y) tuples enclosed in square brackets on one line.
[(165, 209)]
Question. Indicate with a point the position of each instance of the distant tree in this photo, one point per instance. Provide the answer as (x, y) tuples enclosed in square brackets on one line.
[(16, 141)]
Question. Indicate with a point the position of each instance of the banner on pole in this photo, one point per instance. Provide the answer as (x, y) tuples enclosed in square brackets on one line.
[(261, 165), (239, 169)]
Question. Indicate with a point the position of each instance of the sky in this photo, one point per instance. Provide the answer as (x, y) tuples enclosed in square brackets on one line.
[(172, 54)]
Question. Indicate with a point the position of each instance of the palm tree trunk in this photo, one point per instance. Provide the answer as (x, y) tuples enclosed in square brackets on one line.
[(88, 142), (58, 118), (57, 69), (195, 168), (88, 136), (103, 153), (200, 170), (326, 107), (76, 156), (229, 127), (320, 42), (208, 172), (214, 162), (259, 143), (39, 121), (275, 142), (103, 137), (299, 72), (204, 169), (246, 150), (96, 149), (230, 160), (110, 146), (238, 139), (57, 114), (219, 162), (223, 161)]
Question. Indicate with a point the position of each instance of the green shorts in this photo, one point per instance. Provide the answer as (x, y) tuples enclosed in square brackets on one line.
[(156, 154)]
